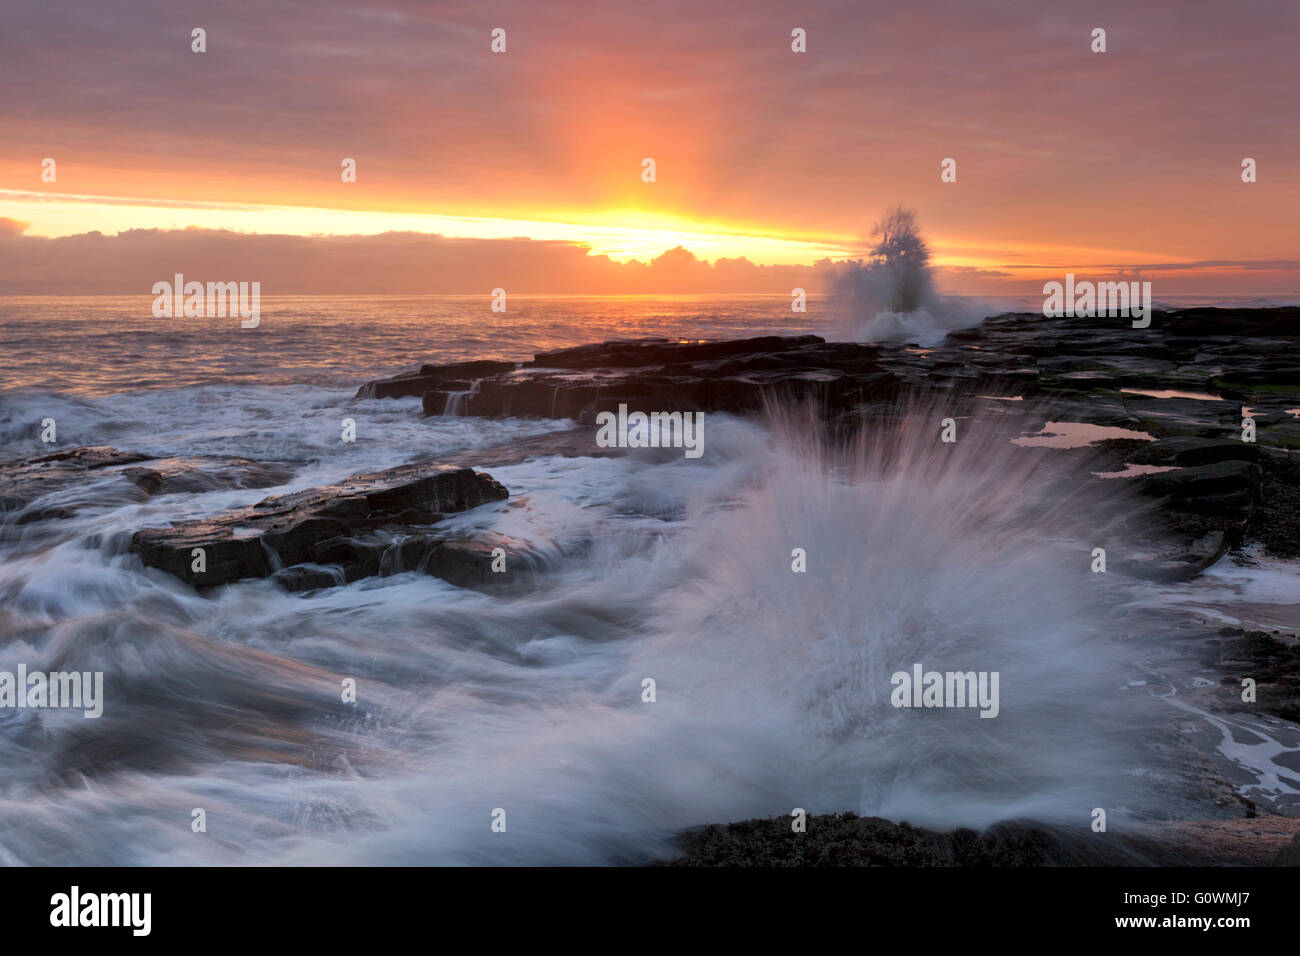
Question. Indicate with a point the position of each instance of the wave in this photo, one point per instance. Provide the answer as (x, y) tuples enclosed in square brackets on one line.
[(889, 296), (772, 686)]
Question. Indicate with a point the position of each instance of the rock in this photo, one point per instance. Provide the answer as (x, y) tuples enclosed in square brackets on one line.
[(23, 481), (661, 375), (1225, 492), (644, 353), (1272, 661), (1289, 855), (33, 515), (1204, 513), (351, 525), (461, 560), (1176, 557), (464, 562), (1222, 487), (1276, 520), (849, 840), (467, 562), (194, 475), (308, 577), (121, 476), (1189, 452), (431, 377)]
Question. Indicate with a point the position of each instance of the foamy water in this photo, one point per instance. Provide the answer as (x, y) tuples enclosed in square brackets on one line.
[(772, 687), (101, 344)]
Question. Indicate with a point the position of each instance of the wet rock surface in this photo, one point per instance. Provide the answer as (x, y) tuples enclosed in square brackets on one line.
[(369, 525), (361, 527), (1272, 661), (109, 475), (1183, 387), (1180, 388), (848, 840), (733, 376), (22, 482), (444, 378)]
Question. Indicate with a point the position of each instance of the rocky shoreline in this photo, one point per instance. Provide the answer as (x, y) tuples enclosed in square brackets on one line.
[(845, 839), (1164, 408), (1175, 393)]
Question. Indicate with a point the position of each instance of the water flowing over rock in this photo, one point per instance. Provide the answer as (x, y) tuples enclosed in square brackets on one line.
[(353, 526), (1181, 385), (110, 475), (734, 376)]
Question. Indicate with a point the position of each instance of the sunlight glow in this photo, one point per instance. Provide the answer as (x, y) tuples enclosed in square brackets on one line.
[(610, 233)]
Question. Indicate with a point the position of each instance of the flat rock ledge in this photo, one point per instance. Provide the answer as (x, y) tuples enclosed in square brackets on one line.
[(95, 475), (579, 383), (364, 526), (846, 839), (1183, 388)]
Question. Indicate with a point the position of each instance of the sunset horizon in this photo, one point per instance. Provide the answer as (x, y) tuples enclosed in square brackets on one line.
[(754, 160), (561, 438)]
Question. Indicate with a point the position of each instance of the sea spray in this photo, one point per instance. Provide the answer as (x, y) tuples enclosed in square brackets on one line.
[(889, 294), (772, 687), (957, 555)]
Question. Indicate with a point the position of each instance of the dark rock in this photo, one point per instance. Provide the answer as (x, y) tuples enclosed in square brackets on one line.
[(1225, 486), (194, 475), (1276, 520), (431, 377), (1289, 855), (468, 562), (308, 577), (849, 840), (1177, 556), (643, 353), (120, 476), (23, 481), (32, 515), (463, 562), (1272, 661), (1189, 452), (661, 375), (351, 525), (1069, 369)]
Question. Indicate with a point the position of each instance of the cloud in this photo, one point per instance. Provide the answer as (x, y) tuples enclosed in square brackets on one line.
[(743, 130), (1200, 265), (972, 272), (416, 263), (395, 262)]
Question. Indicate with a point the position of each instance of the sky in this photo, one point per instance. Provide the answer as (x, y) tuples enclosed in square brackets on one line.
[(523, 169)]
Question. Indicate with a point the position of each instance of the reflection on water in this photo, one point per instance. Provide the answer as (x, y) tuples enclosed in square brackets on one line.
[(1173, 393), (1076, 435), (93, 345), (1133, 471)]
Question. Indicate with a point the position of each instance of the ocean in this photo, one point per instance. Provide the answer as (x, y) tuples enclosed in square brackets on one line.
[(468, 703)]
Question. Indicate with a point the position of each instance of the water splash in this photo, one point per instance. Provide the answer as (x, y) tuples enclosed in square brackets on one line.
[(889, 295)]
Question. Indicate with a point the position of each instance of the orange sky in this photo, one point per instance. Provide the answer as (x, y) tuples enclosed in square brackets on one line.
[(1126, 161)]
